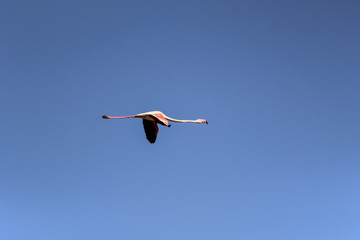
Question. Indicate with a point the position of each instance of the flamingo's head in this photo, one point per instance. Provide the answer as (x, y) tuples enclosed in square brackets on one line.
[(201, 121)]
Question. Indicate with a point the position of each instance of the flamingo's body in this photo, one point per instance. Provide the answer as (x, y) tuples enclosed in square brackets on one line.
[(151, 119)]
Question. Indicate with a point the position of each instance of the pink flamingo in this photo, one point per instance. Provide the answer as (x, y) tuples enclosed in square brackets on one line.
[(151, 119)]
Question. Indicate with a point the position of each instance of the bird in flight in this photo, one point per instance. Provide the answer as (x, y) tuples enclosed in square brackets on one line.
[(151, 119)]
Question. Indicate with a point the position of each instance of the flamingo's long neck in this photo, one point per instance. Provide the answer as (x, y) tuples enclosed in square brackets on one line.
[(109, 117), (180, 121)]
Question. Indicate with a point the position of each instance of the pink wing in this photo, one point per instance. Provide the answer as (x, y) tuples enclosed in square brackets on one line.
[(162, 120)]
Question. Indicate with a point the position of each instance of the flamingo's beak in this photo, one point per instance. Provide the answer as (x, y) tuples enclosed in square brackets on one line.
[(105, 117)]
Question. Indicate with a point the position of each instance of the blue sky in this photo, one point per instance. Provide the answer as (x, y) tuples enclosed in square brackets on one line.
[(278, 81)]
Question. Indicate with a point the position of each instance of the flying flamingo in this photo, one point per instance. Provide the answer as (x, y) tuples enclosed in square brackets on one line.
[(151, 119)]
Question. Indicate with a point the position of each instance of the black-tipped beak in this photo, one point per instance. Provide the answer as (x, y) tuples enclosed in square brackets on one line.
[(206, 122), (105, 117)]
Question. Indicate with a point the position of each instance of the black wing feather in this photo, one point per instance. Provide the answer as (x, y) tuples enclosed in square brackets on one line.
[(151, 130)]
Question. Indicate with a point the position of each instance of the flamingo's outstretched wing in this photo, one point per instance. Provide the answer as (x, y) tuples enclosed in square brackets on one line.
[(151, 130), (160, 118)]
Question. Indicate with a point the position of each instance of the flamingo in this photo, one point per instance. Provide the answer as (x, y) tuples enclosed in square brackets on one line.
[(151, 119)]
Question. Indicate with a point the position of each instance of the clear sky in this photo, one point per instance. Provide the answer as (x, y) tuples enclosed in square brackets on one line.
[(278, 81)]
